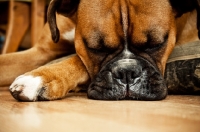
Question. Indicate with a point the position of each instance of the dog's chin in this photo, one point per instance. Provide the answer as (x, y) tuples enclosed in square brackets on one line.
[(133, 79)]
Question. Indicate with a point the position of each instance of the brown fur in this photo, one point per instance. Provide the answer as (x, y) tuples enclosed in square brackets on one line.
[(45, 50)]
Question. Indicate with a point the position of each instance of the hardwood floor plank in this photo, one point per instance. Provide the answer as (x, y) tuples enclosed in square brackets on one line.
[(77, 113)]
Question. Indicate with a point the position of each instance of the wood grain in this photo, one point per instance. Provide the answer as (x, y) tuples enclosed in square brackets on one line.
[(77, 113), (37, 19)]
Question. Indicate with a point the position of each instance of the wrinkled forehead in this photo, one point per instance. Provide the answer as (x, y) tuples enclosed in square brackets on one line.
[(100, 7), (148, 13), (143, 17)]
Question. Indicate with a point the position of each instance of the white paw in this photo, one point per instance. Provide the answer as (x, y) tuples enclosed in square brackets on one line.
[(26, 87)]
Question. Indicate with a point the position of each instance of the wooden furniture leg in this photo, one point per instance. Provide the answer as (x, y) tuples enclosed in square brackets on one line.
[(38, 20), (19, 21)]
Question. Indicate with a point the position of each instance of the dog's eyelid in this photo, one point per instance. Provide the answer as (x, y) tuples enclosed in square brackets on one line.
[(156, 46), (99, 46), (152, 40)]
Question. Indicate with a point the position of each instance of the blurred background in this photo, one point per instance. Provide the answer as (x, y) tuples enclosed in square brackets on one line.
[(21, 21)]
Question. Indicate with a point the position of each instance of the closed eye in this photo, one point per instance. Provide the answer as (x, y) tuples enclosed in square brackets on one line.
[(98, 46), (154, 47), (151, 45)]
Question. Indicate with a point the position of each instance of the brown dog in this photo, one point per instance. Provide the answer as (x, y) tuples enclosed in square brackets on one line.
[(121, 50)]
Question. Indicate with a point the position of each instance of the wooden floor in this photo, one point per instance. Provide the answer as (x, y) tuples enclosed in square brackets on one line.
[(77, 113)]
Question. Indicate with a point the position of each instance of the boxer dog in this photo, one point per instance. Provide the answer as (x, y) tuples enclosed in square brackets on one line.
[(117, 48)]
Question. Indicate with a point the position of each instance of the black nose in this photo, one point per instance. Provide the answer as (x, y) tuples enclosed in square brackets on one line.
[(126, 70)]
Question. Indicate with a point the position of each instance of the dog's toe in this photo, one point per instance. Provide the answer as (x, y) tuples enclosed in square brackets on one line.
[(16, 92), (26, 88)]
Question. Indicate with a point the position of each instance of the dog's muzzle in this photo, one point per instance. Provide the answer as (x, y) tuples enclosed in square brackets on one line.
[(128, 77)]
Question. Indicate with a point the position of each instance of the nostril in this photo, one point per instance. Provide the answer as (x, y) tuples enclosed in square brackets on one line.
[(127, 74), (134, 75), (136, 72), (119, 75)]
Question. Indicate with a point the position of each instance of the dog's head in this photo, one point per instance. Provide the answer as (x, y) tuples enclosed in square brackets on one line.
[(124, 44)]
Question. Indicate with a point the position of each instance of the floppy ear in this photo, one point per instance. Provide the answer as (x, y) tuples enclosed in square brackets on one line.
[(64, 7), (183, 6)]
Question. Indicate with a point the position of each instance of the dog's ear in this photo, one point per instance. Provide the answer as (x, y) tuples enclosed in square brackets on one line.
[(182, 6), (64, 7)]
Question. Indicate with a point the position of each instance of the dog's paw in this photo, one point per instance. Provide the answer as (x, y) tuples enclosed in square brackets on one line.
[(28, 88)]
